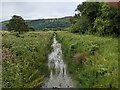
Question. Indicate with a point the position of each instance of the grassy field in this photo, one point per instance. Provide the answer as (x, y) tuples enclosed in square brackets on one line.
[(91, 60), (24, 58)]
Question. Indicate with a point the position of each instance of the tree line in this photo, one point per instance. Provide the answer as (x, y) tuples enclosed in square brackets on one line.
[(17, 23), (97, 18)]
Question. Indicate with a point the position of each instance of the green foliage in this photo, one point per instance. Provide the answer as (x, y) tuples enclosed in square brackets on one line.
[(81, 25), (31, 29), (102, 19), (73, 19), (17, 24), (89, 9), (91, 60), (103, 27), (110, 15), (116, 23), (107, 12), (24, 58), (42, 24)]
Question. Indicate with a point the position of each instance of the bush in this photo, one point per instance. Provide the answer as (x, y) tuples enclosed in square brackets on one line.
[(81, 26), (80, 58), (103, 27), (93, 48)]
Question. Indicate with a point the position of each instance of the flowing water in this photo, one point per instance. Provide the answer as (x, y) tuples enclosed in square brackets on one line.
[(58, 78)]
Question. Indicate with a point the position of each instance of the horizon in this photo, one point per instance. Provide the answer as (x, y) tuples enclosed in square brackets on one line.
[(41, 18)]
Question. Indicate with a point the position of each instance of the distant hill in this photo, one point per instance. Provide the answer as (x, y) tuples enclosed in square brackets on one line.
[(44, 23), (3, 25)]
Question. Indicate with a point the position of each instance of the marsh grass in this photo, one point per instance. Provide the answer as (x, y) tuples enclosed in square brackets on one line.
[(100, 57), (24, 62)]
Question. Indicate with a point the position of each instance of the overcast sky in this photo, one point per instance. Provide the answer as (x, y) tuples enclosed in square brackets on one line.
[(33, 9)]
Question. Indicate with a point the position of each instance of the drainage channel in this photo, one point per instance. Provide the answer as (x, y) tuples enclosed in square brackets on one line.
[(58, 78)]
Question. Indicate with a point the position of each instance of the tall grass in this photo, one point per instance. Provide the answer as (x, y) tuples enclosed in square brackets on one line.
[(24, 58), (91, 60)]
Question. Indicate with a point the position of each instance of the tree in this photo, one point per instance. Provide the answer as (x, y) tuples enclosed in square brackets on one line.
[(107, 11), (103, 27), (89, 9), (17, 23), (81, 26), (107, 23), (87, 13), (96, 18), (116, 22)]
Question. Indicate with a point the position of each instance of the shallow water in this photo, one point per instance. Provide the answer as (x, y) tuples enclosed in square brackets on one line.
[(58, 77)]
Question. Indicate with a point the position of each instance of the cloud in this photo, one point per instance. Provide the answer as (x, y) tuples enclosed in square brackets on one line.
[(35, 10), (42, 0)]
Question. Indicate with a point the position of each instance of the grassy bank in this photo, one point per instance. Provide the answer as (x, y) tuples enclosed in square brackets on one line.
[(24, 58), (91, 60)]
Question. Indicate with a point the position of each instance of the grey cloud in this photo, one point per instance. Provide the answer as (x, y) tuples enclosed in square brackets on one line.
[(35, 10)]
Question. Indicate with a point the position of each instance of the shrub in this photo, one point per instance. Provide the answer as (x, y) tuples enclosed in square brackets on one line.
[(93, 49), (80, 58), (81, 26), (103, 27)]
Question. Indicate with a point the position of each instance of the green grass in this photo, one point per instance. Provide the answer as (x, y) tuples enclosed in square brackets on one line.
[(91, 60), (24, 58), (0, 61)]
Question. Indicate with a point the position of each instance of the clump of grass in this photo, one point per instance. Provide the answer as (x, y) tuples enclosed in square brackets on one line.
[(100, 57), (80, 58), (24, 58)]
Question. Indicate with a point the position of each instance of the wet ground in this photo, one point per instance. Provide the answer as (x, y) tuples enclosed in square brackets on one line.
[(58, 78)]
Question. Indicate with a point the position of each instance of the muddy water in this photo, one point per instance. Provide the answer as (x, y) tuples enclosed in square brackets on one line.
[(58, 78)]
